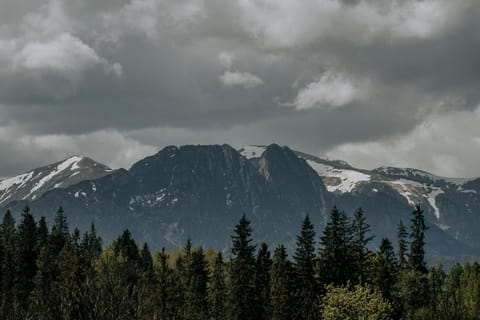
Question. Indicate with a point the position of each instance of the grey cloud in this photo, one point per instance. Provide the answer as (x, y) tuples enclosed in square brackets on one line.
[(147, 66)]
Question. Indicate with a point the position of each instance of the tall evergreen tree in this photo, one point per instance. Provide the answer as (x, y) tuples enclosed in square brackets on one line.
[(281, 286), (91, 242), (167, 288), (9, 271), (402, 245), (42, 233), (196, 291), (241, 290), (307, 303), (361, 238), (59, 235), (27, 257), (146, 258), (416, 258), (384, 276), (262, 282), (336, 257), (217, 290)]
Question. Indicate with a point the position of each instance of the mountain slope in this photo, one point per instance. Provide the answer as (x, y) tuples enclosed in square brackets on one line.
[(33, 184), (452, 205), (201, 192), (196, 191)]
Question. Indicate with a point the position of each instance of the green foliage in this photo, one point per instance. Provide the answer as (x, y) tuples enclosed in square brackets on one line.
[(241, 286), (217, 290), (360, 240), (281, 286), (359, 303), (58, 275), (416, 259), (304, 267), (337, 260), (262, 282)]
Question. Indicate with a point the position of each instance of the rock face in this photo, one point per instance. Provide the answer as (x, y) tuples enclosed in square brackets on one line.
[(198, 192), (33, 184), (202, 191)]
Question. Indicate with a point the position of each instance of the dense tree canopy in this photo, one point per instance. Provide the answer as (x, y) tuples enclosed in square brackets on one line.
[(61, 274)]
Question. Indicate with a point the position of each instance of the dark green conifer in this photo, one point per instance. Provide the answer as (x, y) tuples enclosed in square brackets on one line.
[(262, 282), (361, 238), (402, 245), (416, 259), (241, 290), (281, 286), (307, 303), (217, 290), (336, 256)]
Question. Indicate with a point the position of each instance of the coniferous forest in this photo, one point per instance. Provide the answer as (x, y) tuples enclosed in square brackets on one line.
[(51, 272)]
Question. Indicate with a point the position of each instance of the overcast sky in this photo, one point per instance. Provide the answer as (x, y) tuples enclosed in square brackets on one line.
[(372, 82)]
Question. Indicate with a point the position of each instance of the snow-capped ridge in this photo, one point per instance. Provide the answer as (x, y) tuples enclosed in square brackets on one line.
[(252, 151), (31, 185)]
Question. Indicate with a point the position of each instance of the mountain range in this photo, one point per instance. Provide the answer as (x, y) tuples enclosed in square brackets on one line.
[(200, 191)]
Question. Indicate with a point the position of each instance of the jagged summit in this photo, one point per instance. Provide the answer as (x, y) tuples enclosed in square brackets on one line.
[(31, 185), (201, 191)]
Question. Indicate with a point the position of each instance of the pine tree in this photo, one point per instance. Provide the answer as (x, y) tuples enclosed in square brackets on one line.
[(193, 271), (42, 234), (168, 289), (262, 282), (416, 258), (196, 293), (27, 258), (402, 245), (241, 290), (9, 271), (59, 235), (304, 267), (146, 258), (385, 275), (360, 241), (92, 243), (336, 260), (281, 286), (217, 290)]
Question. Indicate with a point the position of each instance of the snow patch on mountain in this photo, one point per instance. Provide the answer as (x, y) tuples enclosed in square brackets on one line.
[(251, 152), (339, 180), (431, 200), (70, 163), (31, 185)]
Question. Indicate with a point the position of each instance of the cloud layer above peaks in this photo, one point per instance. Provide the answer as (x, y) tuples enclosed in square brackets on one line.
[(351, 78)]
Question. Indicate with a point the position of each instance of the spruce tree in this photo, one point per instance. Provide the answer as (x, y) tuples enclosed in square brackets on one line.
[(361, 238), (241, 289), (336, 256), (281, 286), (42, 234), (416, 258), (385, 274), (27, 257), (402, 245), (9, 271), (217, 290), (91, 243), (146, 258), (307, 304), (262, 282), (167, 288)]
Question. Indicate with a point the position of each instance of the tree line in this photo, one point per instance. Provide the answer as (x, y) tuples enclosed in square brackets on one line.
[(53, 273)]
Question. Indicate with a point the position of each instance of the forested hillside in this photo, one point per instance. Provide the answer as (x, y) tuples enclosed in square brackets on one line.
[(57, 273)]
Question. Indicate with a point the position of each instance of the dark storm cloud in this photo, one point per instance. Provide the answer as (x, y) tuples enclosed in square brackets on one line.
[(325, 76)]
